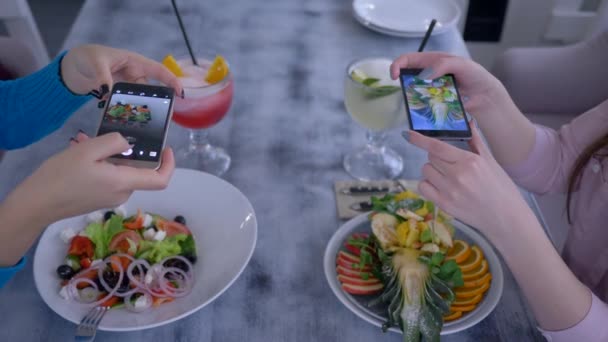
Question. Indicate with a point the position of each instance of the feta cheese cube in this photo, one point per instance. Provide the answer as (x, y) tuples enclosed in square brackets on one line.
[(149, 234), (142, 302), (149, 278), (63, 293), (67, 234), (160, 235), (148, 220), (121, 210)]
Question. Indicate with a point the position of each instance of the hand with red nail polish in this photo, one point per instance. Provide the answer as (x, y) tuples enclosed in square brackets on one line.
[(95, 68)]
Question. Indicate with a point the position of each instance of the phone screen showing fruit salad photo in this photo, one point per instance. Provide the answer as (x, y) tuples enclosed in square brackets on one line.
[(434, 106), (141, 113)]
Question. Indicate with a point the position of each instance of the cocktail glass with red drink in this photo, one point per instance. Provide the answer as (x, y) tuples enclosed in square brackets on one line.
[(204, 105)]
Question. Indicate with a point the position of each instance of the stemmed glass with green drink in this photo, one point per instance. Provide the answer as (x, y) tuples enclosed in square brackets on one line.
[(375, 102)]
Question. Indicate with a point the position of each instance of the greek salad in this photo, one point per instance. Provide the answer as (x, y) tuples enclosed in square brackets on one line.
[(137, 262)]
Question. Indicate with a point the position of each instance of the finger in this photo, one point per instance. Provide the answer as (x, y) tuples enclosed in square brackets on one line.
[(105, 146), (430, 192), (103, 74), (441, 165), (148, 179), (157, 71), (438, 148), (141, 80), (417, 60), (476, 143), (73, 141), (433, 176), (81, 137)]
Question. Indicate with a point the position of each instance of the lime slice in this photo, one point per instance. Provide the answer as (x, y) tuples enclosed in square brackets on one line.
[(358, 75)]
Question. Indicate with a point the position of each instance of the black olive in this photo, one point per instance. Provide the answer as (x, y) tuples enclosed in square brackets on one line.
[(65, 272), (191, 258), (108, 215), (111, 278), (136, 270), (177, 264), (180, 219), (124, 285)]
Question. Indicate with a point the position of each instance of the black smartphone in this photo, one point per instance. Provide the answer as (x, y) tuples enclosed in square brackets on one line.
[(141, 113), (434, 107)]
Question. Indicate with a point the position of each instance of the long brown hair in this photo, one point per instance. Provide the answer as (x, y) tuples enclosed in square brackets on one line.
[(579, 166)]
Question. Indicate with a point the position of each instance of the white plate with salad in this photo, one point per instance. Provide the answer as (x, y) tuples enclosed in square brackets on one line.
[(153, 259), (411, 269)]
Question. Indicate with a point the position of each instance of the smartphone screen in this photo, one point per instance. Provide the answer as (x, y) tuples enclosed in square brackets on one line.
[(434, 106), (141, 113)]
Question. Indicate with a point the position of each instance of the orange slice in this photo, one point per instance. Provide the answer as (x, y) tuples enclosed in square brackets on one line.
[(466, 308), (170, 63), (452, 316), (217, 71), (476, 273), (477, 282), (464, 293), (468, 301), (459, 252), (473, 261)]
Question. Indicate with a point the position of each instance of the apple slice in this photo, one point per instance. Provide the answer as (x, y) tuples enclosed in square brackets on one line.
[(349, 257), (355, 274), (362, 290), (352, 265), (357, 281)]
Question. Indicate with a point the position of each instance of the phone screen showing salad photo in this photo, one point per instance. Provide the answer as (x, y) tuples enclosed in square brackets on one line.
[(141, 113), (434, 106)]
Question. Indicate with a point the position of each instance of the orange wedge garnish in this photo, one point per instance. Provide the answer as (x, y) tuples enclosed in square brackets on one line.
[(170, 63), (464, 293), (468, 301), (463, 308), (217, 71), (477, 272), (473, 261), (477, 282), (452, 316), (459, 252)]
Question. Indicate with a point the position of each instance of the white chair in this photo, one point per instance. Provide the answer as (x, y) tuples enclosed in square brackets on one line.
[(20, 24)]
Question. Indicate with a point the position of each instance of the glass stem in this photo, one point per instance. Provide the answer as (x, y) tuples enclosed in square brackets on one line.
[(198, 138), (375, 139)]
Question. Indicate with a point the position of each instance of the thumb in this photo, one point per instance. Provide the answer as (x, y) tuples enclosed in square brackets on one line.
[(103, 77), (476, 143), (105, 146)]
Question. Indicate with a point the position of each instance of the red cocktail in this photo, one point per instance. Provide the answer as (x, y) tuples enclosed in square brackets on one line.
[(204, 105)]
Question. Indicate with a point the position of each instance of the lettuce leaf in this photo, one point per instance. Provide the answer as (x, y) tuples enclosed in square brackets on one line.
[(155, 251), (101, 235)]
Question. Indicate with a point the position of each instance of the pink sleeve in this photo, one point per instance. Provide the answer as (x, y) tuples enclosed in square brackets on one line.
[(593, 327), (548, 166)]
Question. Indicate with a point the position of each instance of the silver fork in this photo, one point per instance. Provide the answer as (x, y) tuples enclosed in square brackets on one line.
[(87, 328)]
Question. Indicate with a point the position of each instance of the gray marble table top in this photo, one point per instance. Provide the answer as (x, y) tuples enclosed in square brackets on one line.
[(287, 132)]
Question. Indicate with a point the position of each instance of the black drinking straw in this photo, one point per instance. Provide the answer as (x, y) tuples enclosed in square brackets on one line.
[(181, 26), (426, 35)]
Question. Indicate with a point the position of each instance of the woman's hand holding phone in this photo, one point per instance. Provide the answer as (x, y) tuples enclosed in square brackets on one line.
[(484, 97), (89, 68), (73, 182)]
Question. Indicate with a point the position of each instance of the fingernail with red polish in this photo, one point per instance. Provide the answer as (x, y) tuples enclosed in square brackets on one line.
[(183, 94)]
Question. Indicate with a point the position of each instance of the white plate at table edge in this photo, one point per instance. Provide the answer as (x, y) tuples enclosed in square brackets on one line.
[(472, 318), (378, 27), (249, 221)]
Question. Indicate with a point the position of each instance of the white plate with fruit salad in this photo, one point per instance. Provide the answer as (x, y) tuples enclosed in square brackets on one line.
[(411, 269), (154, 259)]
